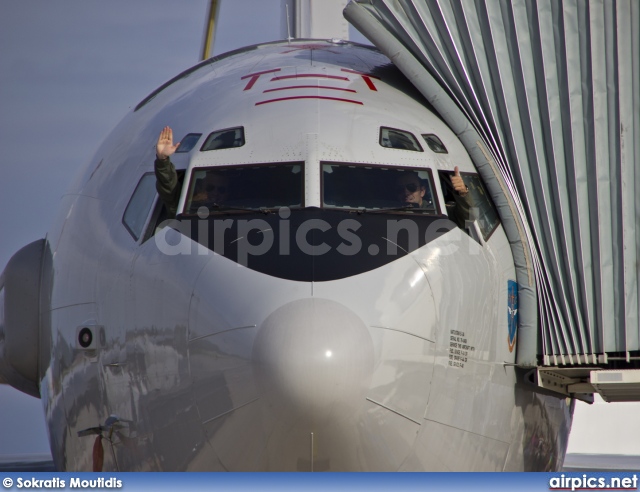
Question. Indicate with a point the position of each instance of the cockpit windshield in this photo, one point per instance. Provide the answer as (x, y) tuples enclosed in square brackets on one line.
[(249, 187), (363, 187)]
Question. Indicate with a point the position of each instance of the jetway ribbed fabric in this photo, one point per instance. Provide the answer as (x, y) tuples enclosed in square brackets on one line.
[(552, 88)]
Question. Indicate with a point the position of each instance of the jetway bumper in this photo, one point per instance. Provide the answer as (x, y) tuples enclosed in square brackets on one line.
[(613, 385)]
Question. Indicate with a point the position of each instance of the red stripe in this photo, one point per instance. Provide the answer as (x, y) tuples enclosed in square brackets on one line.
[(308, 97), (315, 75), (366, 77), (309, 87), (359, 73), (367, 80), (255, 77), (259, 73)]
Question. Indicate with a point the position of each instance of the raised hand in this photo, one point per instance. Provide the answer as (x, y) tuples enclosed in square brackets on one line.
[(165, 147), (458, 183)]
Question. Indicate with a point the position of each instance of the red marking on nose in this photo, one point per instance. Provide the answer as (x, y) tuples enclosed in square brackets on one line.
[(255, 76), (309, 87), (366, 77), (314, 75), (308, 97)]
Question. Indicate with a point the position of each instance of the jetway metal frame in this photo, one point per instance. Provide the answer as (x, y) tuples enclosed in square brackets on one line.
[(613, 385)]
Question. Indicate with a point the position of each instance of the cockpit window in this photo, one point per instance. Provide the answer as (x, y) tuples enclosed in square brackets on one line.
[(349, 186), (399, 139), (224, 139), (246, 188), (188, 142), (137, 211), (435, 144), (476, 205)]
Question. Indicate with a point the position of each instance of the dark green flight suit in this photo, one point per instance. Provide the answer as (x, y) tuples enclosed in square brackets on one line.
[(167, 185)]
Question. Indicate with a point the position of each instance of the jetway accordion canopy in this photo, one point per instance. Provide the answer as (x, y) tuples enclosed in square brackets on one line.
[(545, 96)]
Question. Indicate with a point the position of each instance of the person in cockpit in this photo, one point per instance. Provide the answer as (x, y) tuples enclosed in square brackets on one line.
[(209, 190), (213, 189), (458, 200), (410, 191), (167, 183), (458, 183)]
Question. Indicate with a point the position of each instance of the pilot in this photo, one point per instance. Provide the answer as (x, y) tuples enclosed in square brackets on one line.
[(458, 200), (213, 189), (410, 190), (167, 183), (458, 184)]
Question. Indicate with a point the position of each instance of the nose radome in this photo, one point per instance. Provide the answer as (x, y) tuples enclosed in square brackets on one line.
[(313, 360)]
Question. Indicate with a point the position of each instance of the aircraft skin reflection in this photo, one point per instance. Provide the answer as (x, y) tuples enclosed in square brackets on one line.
[(372, 361)]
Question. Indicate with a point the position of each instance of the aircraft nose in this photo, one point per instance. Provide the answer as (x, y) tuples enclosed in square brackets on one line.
[(313, 360)]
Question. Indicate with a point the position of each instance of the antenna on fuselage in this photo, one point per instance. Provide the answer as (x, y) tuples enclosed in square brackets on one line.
[(209, 29), (289, 38)]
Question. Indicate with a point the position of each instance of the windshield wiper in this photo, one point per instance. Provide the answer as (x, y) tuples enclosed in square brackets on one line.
[(390, 209), (218, 207)]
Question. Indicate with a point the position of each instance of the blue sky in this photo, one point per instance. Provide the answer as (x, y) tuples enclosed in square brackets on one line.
[(69, 71)]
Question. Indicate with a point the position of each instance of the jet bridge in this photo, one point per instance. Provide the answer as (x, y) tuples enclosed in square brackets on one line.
[(545, 96)]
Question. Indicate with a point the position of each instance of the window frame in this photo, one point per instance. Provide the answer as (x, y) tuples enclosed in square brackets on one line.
[(407, 213), (417, 141), (424, 137), (489, 232), (244, 139), (180, 149), (152, 207), (193, 170)]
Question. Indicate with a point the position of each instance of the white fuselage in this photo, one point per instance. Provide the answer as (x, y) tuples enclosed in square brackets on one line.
[(205, 364)]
